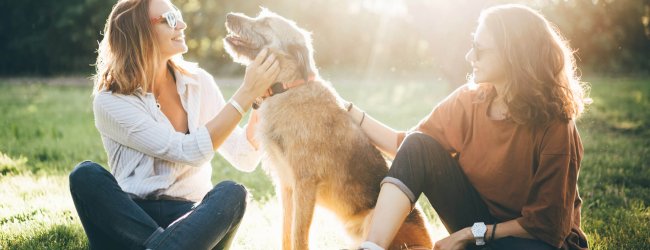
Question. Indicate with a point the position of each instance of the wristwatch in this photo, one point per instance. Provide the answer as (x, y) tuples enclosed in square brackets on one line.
[(479, 230)]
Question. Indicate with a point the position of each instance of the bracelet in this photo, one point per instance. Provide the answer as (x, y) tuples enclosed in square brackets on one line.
[(236, 105), (494, 229), (349, 106), (362, 118), (367, 245)]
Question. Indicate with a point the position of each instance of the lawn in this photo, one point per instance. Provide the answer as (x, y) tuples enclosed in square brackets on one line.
[(46, 129)]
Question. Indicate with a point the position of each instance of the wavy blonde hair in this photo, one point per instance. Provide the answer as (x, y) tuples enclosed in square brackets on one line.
[(542, 84), (128, 55)]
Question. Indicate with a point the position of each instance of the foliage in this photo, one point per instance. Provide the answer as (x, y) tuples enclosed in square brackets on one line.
[(50, 37), (608, 35), (11, 166), (360, 36)]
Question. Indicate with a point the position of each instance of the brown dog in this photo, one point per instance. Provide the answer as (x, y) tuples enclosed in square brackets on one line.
[(318, 154)]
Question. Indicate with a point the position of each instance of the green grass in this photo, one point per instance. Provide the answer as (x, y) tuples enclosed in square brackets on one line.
[(615, 173), (45, 130)]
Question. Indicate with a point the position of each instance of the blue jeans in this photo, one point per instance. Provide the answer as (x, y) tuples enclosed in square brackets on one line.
[(112, 220)]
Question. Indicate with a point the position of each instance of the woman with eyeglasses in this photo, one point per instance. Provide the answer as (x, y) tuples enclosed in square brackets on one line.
[(161, 119), (499, 158)]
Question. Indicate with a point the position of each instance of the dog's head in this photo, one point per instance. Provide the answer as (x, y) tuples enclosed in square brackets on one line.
[(248, 36)]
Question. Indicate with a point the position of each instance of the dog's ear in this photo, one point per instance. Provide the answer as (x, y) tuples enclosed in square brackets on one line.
[(301, 55)]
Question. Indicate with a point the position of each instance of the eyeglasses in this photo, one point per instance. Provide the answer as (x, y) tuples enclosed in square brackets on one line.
[(171, 18), (478, 51)]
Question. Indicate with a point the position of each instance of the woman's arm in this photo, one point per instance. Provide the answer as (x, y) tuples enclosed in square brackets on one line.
[(508, 228), (464, 237), (131, 125), (260, 74), (240, 148), (381, 135)]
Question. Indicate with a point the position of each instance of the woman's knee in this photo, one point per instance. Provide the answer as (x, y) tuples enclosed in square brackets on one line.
[(230, 196), (85, 174), (421, 142), (420, 155), (234, 192)]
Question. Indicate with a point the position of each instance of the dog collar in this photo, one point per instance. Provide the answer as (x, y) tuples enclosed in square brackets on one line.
[(279, 88)]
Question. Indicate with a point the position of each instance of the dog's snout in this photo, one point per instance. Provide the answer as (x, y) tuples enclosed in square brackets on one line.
[(230, 19), (235, 18)]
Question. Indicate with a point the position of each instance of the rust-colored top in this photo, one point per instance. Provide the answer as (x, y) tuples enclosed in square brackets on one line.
[(523, 173)]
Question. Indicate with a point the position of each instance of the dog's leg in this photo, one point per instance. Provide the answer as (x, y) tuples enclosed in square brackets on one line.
[(304, 198), (287, 216), (413, 233)]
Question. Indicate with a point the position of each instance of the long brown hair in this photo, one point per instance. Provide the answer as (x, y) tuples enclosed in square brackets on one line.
[(542, 84), (128, 55)]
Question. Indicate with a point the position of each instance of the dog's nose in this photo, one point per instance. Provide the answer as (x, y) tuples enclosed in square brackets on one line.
[(230, 17)]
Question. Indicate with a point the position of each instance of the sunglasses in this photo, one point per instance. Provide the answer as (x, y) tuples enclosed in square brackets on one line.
[(478, 51), (170, 17)]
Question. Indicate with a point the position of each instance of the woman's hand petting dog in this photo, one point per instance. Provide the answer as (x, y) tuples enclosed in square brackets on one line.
[(261, 74)]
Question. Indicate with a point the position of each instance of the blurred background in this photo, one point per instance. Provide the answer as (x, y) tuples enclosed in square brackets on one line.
[(364, 38), (394, 58)]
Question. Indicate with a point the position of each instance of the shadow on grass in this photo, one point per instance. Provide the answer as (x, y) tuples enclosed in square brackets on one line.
[(67, 237)]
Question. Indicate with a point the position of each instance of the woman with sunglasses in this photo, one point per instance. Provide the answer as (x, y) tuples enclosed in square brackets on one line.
[(499, 158), (161, 119)]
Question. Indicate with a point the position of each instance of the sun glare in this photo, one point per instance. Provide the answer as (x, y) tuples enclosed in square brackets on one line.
[(383, 7)]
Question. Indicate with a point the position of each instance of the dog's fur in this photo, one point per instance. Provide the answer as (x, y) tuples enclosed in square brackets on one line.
[(319, 155)]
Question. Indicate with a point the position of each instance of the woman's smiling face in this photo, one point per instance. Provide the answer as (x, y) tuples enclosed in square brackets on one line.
[(171, 41)]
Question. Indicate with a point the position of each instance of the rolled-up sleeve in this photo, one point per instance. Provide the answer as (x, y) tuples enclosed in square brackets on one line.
[(236, 149), (130, 125), (548, 213), (239, 152)]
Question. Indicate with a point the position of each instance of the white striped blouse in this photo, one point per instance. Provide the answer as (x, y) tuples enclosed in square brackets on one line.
[(149, 158)]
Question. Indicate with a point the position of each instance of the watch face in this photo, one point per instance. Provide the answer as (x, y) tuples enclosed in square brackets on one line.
[(479, 229)]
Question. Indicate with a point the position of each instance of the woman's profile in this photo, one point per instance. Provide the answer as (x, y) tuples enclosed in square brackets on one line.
[(499, 158)]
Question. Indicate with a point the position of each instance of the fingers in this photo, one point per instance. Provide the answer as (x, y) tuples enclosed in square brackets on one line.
[(270, 74), (261, 56), (273, 72), (263, 72), (268, 62), (274, 69)]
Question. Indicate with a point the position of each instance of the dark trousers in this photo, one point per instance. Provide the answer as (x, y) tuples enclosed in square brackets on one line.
[(112, 220), (422, 165)]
